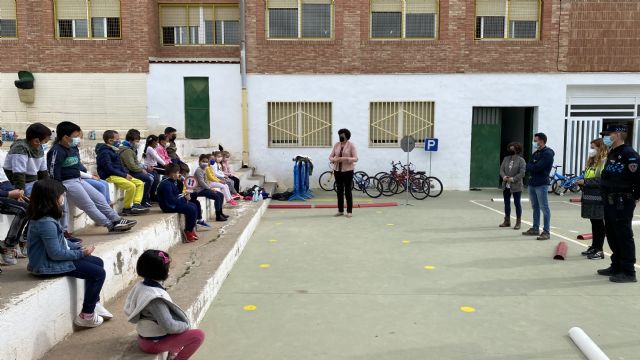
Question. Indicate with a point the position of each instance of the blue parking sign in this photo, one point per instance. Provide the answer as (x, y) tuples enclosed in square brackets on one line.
[(430, 144)]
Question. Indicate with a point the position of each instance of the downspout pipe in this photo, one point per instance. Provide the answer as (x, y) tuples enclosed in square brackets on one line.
[(243, 79)]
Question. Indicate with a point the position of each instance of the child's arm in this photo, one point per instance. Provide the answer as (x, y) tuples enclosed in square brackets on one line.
[(211, 176), (55, 159), (218, 171), (151, 151), (200, 176), (130, 161), (162, 315), (19, 168), (49, 234)]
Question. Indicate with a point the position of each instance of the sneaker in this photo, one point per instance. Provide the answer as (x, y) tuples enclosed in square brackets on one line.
[(120, 225), (8, 256), (606, 272), (139, 209), (104, 313), (190, 236), (596, 255), (232, 202), (202, 224), (88, 320), (21, 252), (544, 236), (236, 196), (589, 251), (531, 232), (623, 278), (146, 205)]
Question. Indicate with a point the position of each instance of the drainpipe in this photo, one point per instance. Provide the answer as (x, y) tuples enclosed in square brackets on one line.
[(243, 77)]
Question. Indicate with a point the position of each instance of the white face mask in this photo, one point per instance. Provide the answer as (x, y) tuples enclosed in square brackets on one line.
[(592, 153)]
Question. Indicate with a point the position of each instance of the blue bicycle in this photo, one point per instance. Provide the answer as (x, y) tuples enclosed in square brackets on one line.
[(560, 184)]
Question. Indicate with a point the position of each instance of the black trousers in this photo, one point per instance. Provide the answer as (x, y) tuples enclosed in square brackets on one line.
[(236, 183), (19, 222), (344, 181), (598, 230), (618, 214), (216, 196)]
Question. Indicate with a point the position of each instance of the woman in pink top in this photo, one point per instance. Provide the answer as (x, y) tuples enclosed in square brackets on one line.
[(343, 157)]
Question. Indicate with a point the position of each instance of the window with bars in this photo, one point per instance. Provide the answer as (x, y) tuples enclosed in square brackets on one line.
[(404, 19), (200, 24), (507, 19), (8, 19), (299, 19), (391, 121), (87, 19), (299, 124)]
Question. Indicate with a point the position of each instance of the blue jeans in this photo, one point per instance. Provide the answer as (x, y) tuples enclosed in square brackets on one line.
[(101, 186), (539, 201), (91, 269)]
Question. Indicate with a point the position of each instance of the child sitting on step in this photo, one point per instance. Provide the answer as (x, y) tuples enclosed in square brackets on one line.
[(219, 172), (172, 199), (161, 324), (216, 183), (203, 189), (226, 168)]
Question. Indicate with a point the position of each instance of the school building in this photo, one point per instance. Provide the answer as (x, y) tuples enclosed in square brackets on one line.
[(270, 79)]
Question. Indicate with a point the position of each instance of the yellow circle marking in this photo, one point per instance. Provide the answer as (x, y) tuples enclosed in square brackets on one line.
[(467, 309), (278, 223), (430, 267), (390, 224), (406, 241), (250, 308), (265, 266), (273, 241), (378, 212)]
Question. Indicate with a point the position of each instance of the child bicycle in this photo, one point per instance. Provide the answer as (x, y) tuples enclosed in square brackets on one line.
[(361, 182), (560, 184)]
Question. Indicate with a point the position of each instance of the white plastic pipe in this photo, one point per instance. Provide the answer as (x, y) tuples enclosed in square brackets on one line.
[(590, 350)]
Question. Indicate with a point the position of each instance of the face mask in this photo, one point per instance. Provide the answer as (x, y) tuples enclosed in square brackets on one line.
[(116, 143), (75, 142), (607, 140), (173, 138), (212, 162), (44, 147), (535, 146), (512, 151), (343, 138), (204, 165), (592, 153)]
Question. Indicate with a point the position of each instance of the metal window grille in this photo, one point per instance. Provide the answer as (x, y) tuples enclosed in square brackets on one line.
[(299, 124), (199, 24), (300, 19), (406, 19), (390, 121), (512, 19), (87, 19), (8, 20)]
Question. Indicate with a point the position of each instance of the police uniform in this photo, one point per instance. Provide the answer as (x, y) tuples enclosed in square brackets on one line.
[(620, 186)]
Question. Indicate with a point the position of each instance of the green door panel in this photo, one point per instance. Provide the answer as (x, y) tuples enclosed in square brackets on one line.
[(196, 107), (485, 148)]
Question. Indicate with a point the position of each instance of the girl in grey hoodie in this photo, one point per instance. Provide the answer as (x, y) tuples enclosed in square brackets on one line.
[(512, 172)]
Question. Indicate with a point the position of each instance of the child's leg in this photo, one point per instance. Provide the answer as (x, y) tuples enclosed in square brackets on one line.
[(221, 187), (137, 200), (101, 186), (127, 186), (183, 345), (196, 203), (91, 269), (218, 201), (236, 183), (20, 219), (147, 182), (154, 187), (230, 184), (190, 214), (77, 194), (100, 202)]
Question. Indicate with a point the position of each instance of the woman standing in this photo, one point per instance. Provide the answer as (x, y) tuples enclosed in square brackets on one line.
[(343, 157), (592, 207), (512, 172)]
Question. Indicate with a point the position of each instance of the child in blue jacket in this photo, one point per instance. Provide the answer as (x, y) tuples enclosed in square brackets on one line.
[(172, 199)]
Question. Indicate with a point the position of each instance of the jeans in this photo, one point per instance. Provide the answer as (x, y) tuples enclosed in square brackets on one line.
[(91, 269), (91, 201), (344, 181), (190, 212), (101, 186), (181, 345), (147, 179), (216, 196), (598, 231), (18, 225), (539, 201), (507, 203)]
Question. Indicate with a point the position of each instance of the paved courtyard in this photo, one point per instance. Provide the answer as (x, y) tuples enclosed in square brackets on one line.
[(437, 280)]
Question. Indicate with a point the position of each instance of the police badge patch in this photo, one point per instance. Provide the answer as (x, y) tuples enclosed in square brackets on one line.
[(633, 167)]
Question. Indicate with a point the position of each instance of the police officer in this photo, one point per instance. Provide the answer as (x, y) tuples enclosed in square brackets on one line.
[(620, 185)]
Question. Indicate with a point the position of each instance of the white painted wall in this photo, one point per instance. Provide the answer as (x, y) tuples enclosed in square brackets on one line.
[(166, 100), (95, 101), (454, 95)]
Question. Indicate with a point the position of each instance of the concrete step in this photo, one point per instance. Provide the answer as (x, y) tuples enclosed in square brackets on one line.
[(197, 272)]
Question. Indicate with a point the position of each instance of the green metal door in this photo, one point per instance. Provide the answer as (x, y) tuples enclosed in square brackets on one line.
[(485, 147), (196, 107)]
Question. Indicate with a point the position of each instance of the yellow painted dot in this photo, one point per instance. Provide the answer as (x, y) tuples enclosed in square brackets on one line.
[(265, 266), (378, 212), (273, 241), (406, 241), (390, 224), (250, 308), (430, 267), (467, 309), (278, 223)]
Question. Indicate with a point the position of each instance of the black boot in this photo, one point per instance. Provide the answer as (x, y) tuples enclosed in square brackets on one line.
[(224, 215), (219, 216)]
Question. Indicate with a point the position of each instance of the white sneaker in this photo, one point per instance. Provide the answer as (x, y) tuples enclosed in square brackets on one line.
[(100, 310), (95, 321), (8, 256)]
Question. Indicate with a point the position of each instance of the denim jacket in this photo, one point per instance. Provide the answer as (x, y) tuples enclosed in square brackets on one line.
[(49, 252)]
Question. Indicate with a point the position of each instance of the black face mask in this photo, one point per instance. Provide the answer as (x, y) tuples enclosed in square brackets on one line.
[(173, 138), (343, 138), (512, 152)]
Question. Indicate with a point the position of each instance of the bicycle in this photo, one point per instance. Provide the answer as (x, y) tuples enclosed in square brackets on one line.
[(397, 182), (361, 182), (569, 183), (433, 183)]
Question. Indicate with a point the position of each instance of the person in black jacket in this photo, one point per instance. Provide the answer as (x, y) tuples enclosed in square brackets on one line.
[(539, 168)]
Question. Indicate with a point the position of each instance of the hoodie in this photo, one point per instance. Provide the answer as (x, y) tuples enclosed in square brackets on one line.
[(64, 162), (108, 162), (170, 194), (24, 164), (540, 166), (129, 157)]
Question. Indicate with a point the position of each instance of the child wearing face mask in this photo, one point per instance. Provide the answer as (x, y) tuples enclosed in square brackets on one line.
[(216, 183), (218, 170), (591, 205), (128, 153), (203, 188)]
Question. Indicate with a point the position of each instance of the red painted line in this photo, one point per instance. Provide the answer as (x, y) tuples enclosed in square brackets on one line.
[(329, 206), (290, 206), (575, 200), (585, 236)]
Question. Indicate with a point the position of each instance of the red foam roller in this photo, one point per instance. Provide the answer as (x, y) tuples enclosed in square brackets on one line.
[(585, 236), (384, 204), (575, 200), (561, 251), (289, 206)]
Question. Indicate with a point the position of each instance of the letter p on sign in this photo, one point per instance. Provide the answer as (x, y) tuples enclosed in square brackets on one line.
[(430, 144)]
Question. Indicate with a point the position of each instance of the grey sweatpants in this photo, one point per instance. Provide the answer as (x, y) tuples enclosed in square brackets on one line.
[(91, 201)]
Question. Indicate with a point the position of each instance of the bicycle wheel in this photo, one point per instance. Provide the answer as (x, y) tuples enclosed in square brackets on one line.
[(380, 174), (435, 186), (551, 189), (575, 188), (372, 187), (388, 185), (558, 189), (418, 188), (327, 181), (359, 179)]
